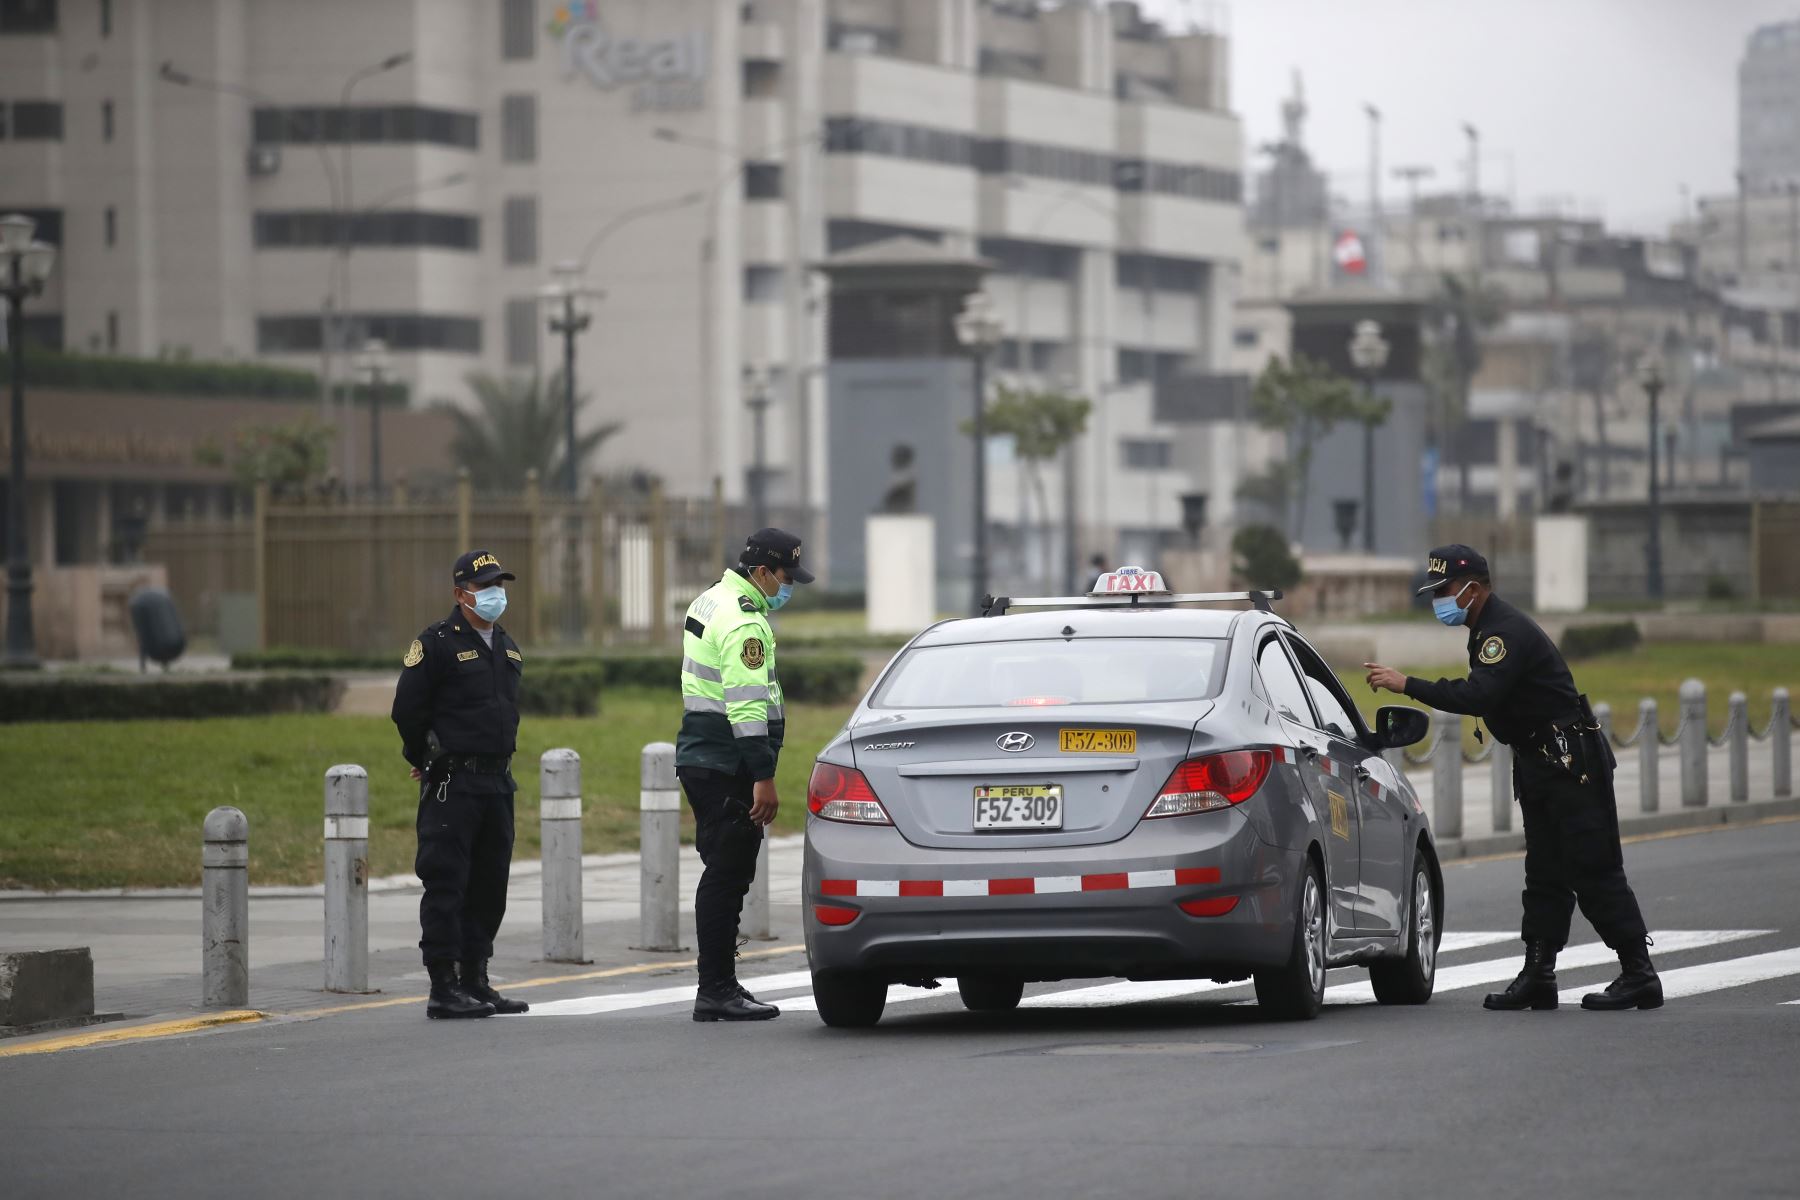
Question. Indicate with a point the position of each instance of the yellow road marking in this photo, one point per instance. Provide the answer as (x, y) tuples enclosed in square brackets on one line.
[(1661, 835), (96, 1037)]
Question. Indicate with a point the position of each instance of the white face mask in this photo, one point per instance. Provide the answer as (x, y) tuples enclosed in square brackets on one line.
[(488, 603)]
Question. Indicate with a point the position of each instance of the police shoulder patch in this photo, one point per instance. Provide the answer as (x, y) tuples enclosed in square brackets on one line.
[(747, 604), (752, 653), (1492, 651), (415, 654)]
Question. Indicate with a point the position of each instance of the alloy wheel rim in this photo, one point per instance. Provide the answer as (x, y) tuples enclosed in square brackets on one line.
[(1315, 937), (1425, 920)]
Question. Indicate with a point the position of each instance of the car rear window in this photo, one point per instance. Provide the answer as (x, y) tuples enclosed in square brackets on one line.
[(1054, 672)]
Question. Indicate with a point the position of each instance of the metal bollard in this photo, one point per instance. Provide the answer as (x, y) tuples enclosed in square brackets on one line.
[(1737, 746), (1500, 804), (225, 909), (659, 849), (1447, 775), (559, 824), (756, 901), (346, 879), (1693, 744), (1649, 756), (1781, 746)]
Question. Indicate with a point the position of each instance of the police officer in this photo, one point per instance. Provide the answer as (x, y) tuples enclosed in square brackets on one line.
[(457, 710), (1562, 776), (731, 731)]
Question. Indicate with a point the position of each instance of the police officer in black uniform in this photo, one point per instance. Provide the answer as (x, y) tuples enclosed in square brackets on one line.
[(457, 709), (1562, 776)]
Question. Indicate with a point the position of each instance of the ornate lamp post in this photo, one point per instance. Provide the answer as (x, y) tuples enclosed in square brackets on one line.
[(25, 265), (569, 302), (1650, 376), (756, 396), (372, 365), (1369, 353), (979, 329)]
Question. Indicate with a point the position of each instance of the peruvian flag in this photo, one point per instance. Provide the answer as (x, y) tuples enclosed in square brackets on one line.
[(1348, 253)]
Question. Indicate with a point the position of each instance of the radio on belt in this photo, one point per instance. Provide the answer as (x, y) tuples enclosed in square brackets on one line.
[(1130, 579)]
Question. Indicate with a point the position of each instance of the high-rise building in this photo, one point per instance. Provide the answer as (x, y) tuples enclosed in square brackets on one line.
[(1769, 107)]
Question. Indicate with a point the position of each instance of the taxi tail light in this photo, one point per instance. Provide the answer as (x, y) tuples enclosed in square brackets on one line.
[(1212, 782), (842, 794)]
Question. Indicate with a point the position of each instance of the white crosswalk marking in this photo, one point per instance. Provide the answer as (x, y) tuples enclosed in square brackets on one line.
[(1450, 943), (583, 1006), (897, 994), (1716, 976)]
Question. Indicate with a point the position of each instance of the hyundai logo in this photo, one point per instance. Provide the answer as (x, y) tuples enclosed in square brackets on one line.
[(1015, 741)]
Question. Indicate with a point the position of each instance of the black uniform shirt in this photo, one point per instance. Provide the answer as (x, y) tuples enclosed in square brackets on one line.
[(1518, 681), (453, 684)]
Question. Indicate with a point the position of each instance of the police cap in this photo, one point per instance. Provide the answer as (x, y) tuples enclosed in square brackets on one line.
[(1451, 562), (775, 548), (479, 566)]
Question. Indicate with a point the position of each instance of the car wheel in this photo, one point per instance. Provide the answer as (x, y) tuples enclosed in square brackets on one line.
[(848, 1000), (990, 993), (1295, 991), (1409, 980)]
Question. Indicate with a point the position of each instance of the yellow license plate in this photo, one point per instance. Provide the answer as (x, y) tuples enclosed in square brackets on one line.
[(1098, 741)]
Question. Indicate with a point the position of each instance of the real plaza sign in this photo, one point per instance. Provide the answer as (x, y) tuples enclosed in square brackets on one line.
[(665, 74)]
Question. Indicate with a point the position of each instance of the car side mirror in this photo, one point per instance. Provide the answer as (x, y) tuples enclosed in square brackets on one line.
[(1398, 725)]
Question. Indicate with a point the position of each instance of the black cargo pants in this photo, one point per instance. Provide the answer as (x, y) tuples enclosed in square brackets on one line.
[(1572, 855), (728, 842), (465, 831)]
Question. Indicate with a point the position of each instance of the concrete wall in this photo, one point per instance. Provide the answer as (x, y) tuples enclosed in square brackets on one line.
[(1337, 472), (1702, 541)]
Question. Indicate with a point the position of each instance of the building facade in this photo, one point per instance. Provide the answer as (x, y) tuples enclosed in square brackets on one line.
[(1769, 107), (236, 179)]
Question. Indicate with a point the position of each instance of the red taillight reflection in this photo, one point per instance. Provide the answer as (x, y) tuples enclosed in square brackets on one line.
[(835, 914), (1213, 906), (1038, 701), (1212, 782), (843, 794)]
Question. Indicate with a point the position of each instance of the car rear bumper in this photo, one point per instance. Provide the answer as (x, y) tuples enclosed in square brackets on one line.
[(1053, 913)]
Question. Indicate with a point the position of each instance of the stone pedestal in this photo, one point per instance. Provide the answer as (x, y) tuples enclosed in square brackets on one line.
[(1561, 564), (900, 572)]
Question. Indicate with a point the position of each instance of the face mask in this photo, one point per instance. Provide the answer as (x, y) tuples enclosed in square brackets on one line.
[(489, 603), (781, 596), (1446, 609)]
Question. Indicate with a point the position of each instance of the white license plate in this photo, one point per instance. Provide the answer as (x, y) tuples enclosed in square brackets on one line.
[(1019, 806)]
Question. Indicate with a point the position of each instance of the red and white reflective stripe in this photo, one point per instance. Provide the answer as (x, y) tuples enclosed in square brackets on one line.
[(1034, 885), (1285, 754)]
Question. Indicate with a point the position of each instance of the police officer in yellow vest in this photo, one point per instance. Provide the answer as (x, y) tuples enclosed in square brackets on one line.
[(731, 730)]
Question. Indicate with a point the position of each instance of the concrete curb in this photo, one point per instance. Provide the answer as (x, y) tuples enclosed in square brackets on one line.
[(1649, 823)]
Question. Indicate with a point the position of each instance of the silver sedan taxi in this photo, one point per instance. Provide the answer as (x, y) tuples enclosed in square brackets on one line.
[(1129, 783)]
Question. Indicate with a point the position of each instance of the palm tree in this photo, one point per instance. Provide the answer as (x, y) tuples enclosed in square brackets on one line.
[(518, 425)]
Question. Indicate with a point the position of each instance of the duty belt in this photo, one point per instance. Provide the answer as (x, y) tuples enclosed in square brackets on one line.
[(480, 764)]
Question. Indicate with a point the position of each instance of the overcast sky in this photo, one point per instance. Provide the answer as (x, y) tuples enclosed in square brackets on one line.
[(1609, 105)]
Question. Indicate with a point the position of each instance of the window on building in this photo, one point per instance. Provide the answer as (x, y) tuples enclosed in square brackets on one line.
[(392, 123), (302, 228), (106, 120), (762, 181), (37, 121), (762, 79), (518, 29), (112, 226), (519, 234), (518, 128), (27, 16), (48, 225), (299, 333), (1146, 454), (862, 39), (1246, 339), (105, 18), (762, 284), (112, 330), (522, 340)]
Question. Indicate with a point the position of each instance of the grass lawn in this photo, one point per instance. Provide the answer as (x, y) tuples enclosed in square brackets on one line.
[(119, 803)]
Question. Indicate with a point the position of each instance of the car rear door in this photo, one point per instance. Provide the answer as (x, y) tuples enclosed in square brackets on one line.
[(1332, 799)]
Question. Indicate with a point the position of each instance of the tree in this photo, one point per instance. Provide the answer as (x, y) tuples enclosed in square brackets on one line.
[(1303, 400), (1261, 557), (1460, 313), (518, 425), (1042, 425), (289, 458), (1593, 370)]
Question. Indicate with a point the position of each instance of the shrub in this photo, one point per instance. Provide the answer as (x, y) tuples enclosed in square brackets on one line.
[(118, 373), (1261, 556), (1588, 641), (128, 698)]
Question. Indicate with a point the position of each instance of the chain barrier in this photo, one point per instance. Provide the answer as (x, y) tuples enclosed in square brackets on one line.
[(1482, 755), (1673, 738), (1768, 730), (1724, 738), (1626, 743)]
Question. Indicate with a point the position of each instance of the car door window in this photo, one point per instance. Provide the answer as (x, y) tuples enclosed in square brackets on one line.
[(1285, 689), (1328, 700)]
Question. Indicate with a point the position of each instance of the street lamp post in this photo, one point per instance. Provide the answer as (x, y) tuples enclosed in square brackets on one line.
[(569, 315), (1369, 352), (372, 364), (756, 395), (1651, 377), (24, 266), (979, 329)]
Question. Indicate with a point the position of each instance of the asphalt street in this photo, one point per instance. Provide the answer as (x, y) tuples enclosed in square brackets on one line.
[(608, 1089)]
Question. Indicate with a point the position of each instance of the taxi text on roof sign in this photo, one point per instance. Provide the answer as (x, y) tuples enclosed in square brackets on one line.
[(1129, 579)]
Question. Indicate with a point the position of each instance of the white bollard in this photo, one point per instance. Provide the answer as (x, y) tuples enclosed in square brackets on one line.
[(1781, 746), (1737, 746), (755, 924), (346, 879), (1500, 804), (1649, 757), (225, 909), (1446, 776), (559, 826), (659, 849), (1693, 744)]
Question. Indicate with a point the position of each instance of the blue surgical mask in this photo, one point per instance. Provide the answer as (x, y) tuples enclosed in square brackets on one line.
[(781, 596), (489, 603), (1448, 611)]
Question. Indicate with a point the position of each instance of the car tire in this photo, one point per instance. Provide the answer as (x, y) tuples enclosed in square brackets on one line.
[(1295, 991), (1409, 980), (848, 999), (990, 993)]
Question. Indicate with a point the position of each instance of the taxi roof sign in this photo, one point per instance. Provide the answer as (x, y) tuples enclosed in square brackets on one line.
[(1130, 581)]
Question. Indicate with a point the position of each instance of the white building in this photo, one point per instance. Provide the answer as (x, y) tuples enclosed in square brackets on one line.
[(202, 164)]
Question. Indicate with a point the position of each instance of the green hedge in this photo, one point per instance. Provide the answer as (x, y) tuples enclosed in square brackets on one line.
[(128, 698), (1589, 641), (116, 373)]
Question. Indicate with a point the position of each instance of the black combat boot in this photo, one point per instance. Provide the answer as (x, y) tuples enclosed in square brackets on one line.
[(475, 982), (1536, 985), (729, 1002), (1636, 987), (448, 999)]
